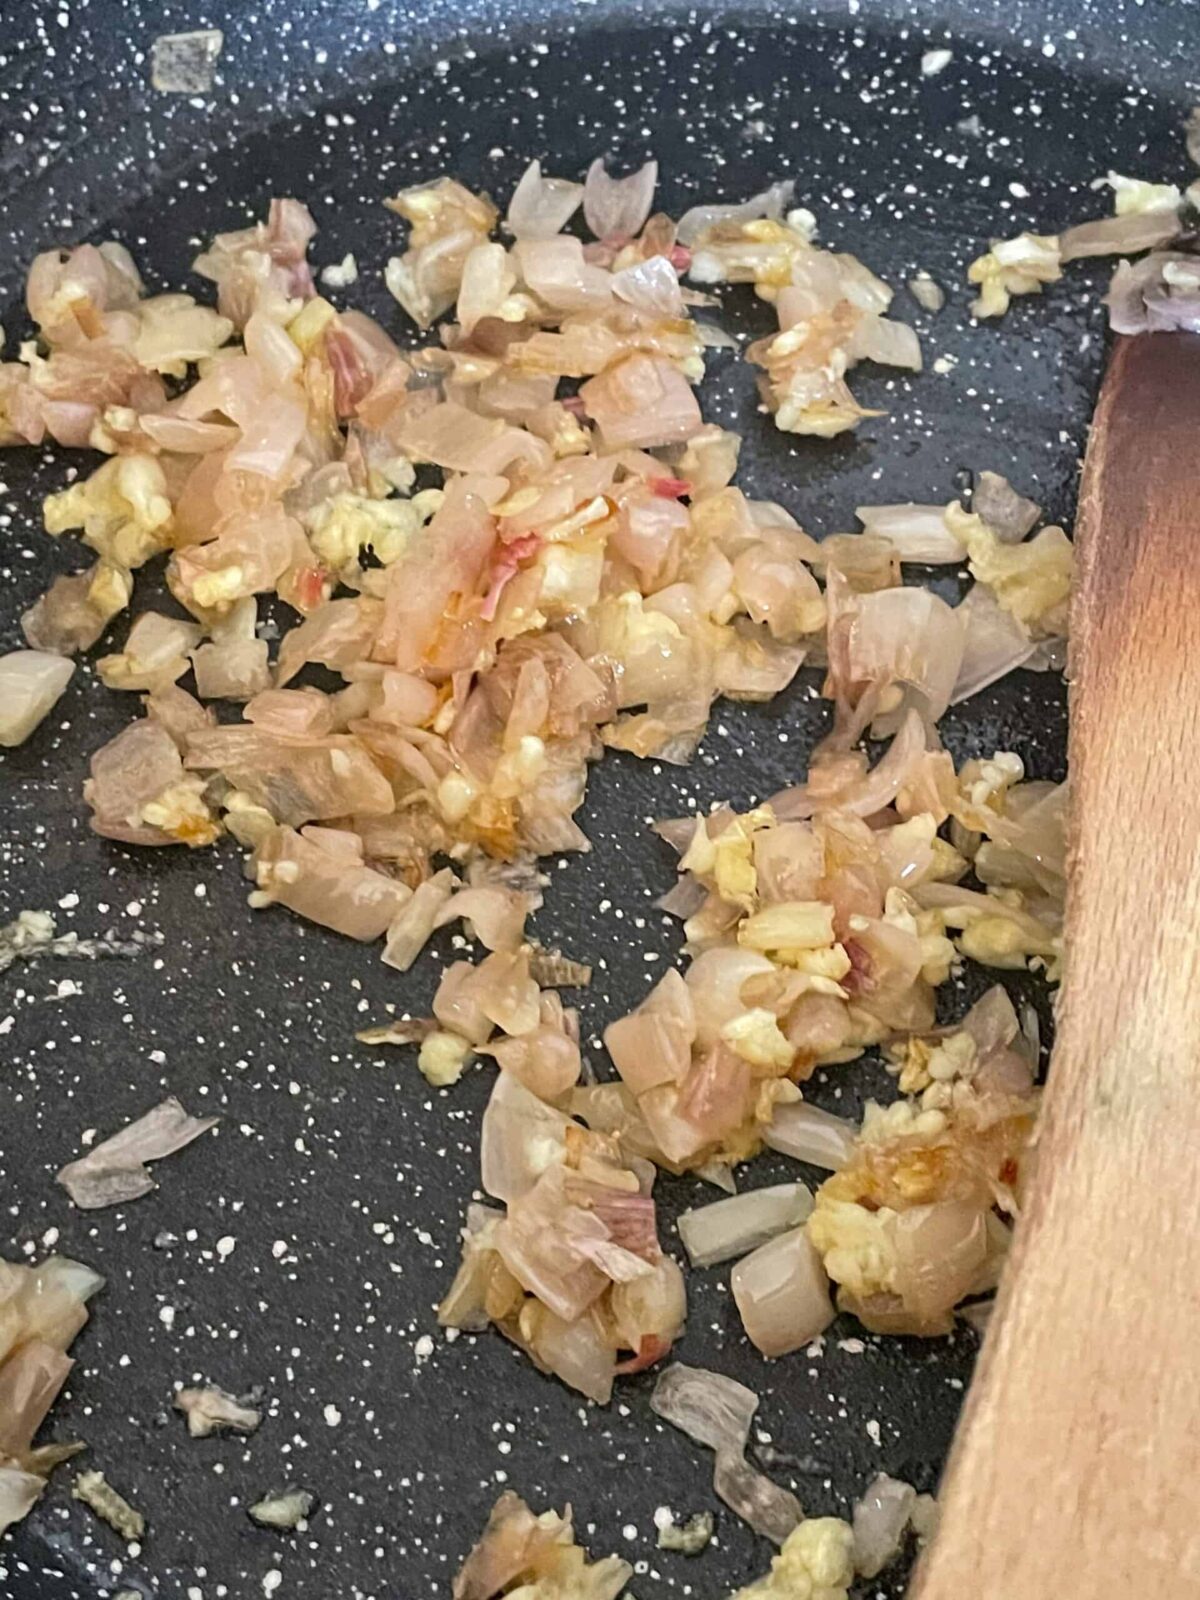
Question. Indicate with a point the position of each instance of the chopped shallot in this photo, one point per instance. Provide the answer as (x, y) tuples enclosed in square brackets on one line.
[(283, 1509), (717, 1411), (42, 1308), (113, 1172), (31, 683), (806, 1133), (536, 1556), (782, 1294), (615, 209), (882, 1515), (731, 1228), (209, 1410)]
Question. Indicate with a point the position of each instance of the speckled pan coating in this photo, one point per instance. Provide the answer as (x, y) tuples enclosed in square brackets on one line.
[(338, 1176)]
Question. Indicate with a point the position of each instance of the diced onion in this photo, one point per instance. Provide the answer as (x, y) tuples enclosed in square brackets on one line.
[(918, 533), (782, 1293), (729, 1228), (541, 207), (31, 683), (881, 1515), (711, 1409), (806, 1133)]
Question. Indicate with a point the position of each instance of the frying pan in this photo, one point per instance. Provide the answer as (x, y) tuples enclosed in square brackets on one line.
[(340, 1176)]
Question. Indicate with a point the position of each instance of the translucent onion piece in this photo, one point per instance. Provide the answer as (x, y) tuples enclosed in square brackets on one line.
[(283, 1508), (806, 1133), (730, 1228), (642, 402), (31, 683), (782, 1293), (615, 209), (711, 1409), (520, 1138), (940, 1250), (535, 1556), (651, 286), (649, 1312), (928, 294), (52, 1300), (770, 1510), (541, 207), (576, 1353), (917, 533), (1160, 294), (19, 1493), (715, 980), (772, 202), (881, 1516), (416, 920), (113, 1172), (557, 271), (1118, 236), (210, 1410), (320, 874), (994, 643)]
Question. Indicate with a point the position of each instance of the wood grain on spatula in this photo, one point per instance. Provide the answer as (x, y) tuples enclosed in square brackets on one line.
[(1074, 1473)]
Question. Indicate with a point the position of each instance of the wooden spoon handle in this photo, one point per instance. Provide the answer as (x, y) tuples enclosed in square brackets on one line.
[(1075, 1470)]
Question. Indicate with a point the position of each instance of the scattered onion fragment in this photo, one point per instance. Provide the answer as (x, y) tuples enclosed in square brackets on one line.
[(42, 1309), (806, 1133), (615, 208), (31, 683), (782, 1294), (761, 1504), (882, 1514), (403, 1030), (536, 1556), (730, 1228), (928, 294), (211, 1410), (711, 1409), (284, 1509), (113, 1172), (717, 1411)]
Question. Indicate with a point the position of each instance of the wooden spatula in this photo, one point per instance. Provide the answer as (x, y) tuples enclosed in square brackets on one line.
[(1076, 1471)]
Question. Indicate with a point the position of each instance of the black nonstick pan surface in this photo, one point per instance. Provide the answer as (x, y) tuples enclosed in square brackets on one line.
[(340, 1177)]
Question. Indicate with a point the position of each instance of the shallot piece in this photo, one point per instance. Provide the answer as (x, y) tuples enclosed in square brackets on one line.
[(535, 1556), (782, 1293), (716, 1412), (114, 1173), (806, 1133), (616, 208), (211, 1410), (283, 1509), (31, 684), (42, 1309), (731, 1228), (881, 1518)]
